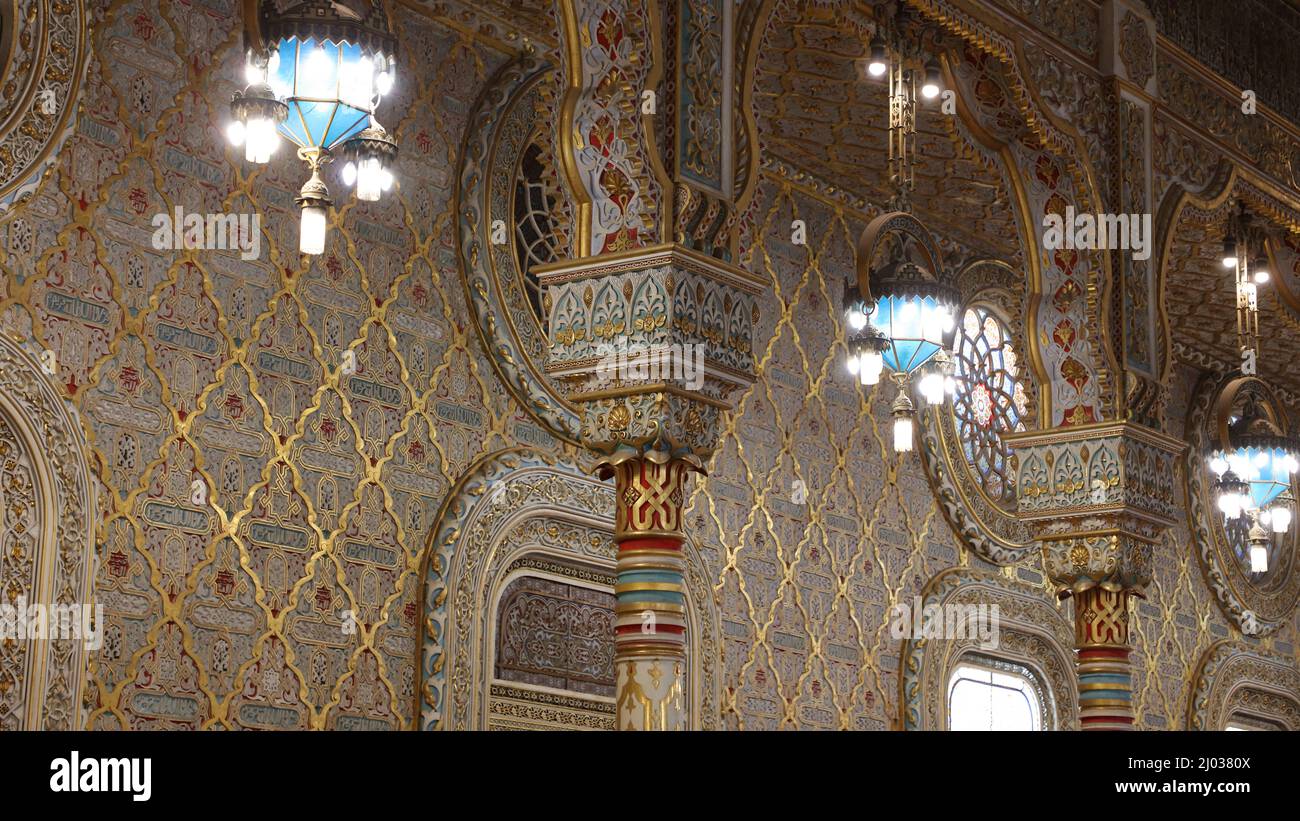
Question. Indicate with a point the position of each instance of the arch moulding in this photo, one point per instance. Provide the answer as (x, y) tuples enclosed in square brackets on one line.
[(502, 512)]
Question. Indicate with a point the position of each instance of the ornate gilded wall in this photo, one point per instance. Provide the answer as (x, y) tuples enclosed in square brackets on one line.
[(250, 492)]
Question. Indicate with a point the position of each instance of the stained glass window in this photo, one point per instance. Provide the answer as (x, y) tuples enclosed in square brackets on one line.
[(990, 398)]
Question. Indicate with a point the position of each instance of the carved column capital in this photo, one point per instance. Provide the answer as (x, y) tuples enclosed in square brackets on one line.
[(1097, 497), (651, 345)]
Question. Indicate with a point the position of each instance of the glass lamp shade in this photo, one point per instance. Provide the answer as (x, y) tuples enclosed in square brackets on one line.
[(1258, 558), (1268, 471), (903, 434), (330, 89), (915, 327), (311, 239)]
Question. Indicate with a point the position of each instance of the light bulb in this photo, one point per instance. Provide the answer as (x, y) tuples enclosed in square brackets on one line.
[(385, 179), (854, 364), (260, 140), (903, 434), (311, 240), (1290, 463), (384, 82), (857, 319), (1261, 277), (1218, 464), (318, 70), (1261, 459), (933, 80), (358, 83), (1280, 518), (254, 74), (1230, 505), (1258, 559), (872, 365), (879, 58), (369, 179), (932, 388), (235, 133), (350, 173)]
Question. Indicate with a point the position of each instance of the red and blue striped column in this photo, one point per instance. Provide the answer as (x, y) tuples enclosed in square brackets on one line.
[(1104, 669), (650, 631)]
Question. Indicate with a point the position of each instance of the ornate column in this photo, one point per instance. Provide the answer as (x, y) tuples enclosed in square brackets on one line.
[(650, 324), (1098, 497), (650, 345)]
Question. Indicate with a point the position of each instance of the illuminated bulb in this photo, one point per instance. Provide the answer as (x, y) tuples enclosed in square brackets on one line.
[(311, 240), (385, 179), (933, 81), (349, 173), (260, 140), (1258, 558), (871, 367), (235, 133), (854, 364), (1280, 518), (857, 319), (319, 71), (1261, 459), (932, 388), (384, 82), (358, 84), (903, 434), (253, 74), (1230, 505), (1261, 276), (1218, 464), (369, 179), (879, 59)]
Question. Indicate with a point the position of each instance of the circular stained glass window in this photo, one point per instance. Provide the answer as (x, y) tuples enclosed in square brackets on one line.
[(989, 400)]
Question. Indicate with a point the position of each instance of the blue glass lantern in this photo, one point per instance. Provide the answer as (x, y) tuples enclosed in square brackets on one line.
[(328, 88), (911, 313), (917, 328), (1255, 467), (317, 72)]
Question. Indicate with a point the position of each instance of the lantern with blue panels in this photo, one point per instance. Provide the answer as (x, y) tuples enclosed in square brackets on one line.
[(901, 316), (316, 71), (1255, 464)]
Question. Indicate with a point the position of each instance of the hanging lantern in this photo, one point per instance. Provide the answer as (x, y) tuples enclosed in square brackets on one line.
[(257, 114), (369, 157), (1256, 466), (318, 73), (866, 344)]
